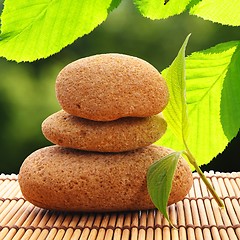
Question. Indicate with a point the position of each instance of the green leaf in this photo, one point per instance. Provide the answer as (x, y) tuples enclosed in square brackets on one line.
[(212, 82), (221, 11), (206, 73), (176, 111), (160, 9), (159, 181), (230, 101), (114, 4), (39, 28), (169, 140)]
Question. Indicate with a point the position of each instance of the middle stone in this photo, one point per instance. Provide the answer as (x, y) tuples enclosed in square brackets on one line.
[(120, 135)]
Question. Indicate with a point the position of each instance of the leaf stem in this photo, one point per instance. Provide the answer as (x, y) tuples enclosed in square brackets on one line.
[(203, 177)]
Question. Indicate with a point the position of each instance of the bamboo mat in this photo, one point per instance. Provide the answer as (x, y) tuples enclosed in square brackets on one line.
[(196, 217)]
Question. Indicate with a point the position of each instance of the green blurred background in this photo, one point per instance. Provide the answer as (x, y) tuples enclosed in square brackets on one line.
[(27, 94)]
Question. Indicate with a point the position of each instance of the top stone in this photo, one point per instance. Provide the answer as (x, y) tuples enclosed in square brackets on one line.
[(106, 87)]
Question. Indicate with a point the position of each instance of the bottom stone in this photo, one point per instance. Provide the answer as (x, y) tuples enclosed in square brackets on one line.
[(73, 180)]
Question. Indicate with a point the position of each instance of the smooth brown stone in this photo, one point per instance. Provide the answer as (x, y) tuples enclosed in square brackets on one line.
[(74, 180), (106, 87), (119, 135)]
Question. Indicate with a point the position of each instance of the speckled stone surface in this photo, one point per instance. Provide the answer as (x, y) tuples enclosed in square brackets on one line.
[(106, 87), (74, 180), (119, 135)]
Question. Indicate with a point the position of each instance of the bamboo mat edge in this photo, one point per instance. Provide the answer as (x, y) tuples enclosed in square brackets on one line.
[(196, 216)]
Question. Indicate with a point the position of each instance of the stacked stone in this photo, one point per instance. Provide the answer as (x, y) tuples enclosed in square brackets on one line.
[(110, 117)]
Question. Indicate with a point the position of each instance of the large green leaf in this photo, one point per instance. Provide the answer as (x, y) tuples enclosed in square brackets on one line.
[(212, 81), (39, 28), (230, 101), (159, 181), (160, 9), (221, 11)]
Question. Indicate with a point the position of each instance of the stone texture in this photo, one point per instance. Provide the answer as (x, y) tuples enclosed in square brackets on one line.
[(119, 135), (74, 180), (106, 87)]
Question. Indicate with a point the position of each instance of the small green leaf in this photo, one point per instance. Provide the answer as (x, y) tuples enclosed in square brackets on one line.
[(37, 29), (159, 181), (221, 11), (176, 111), (160, 9)]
